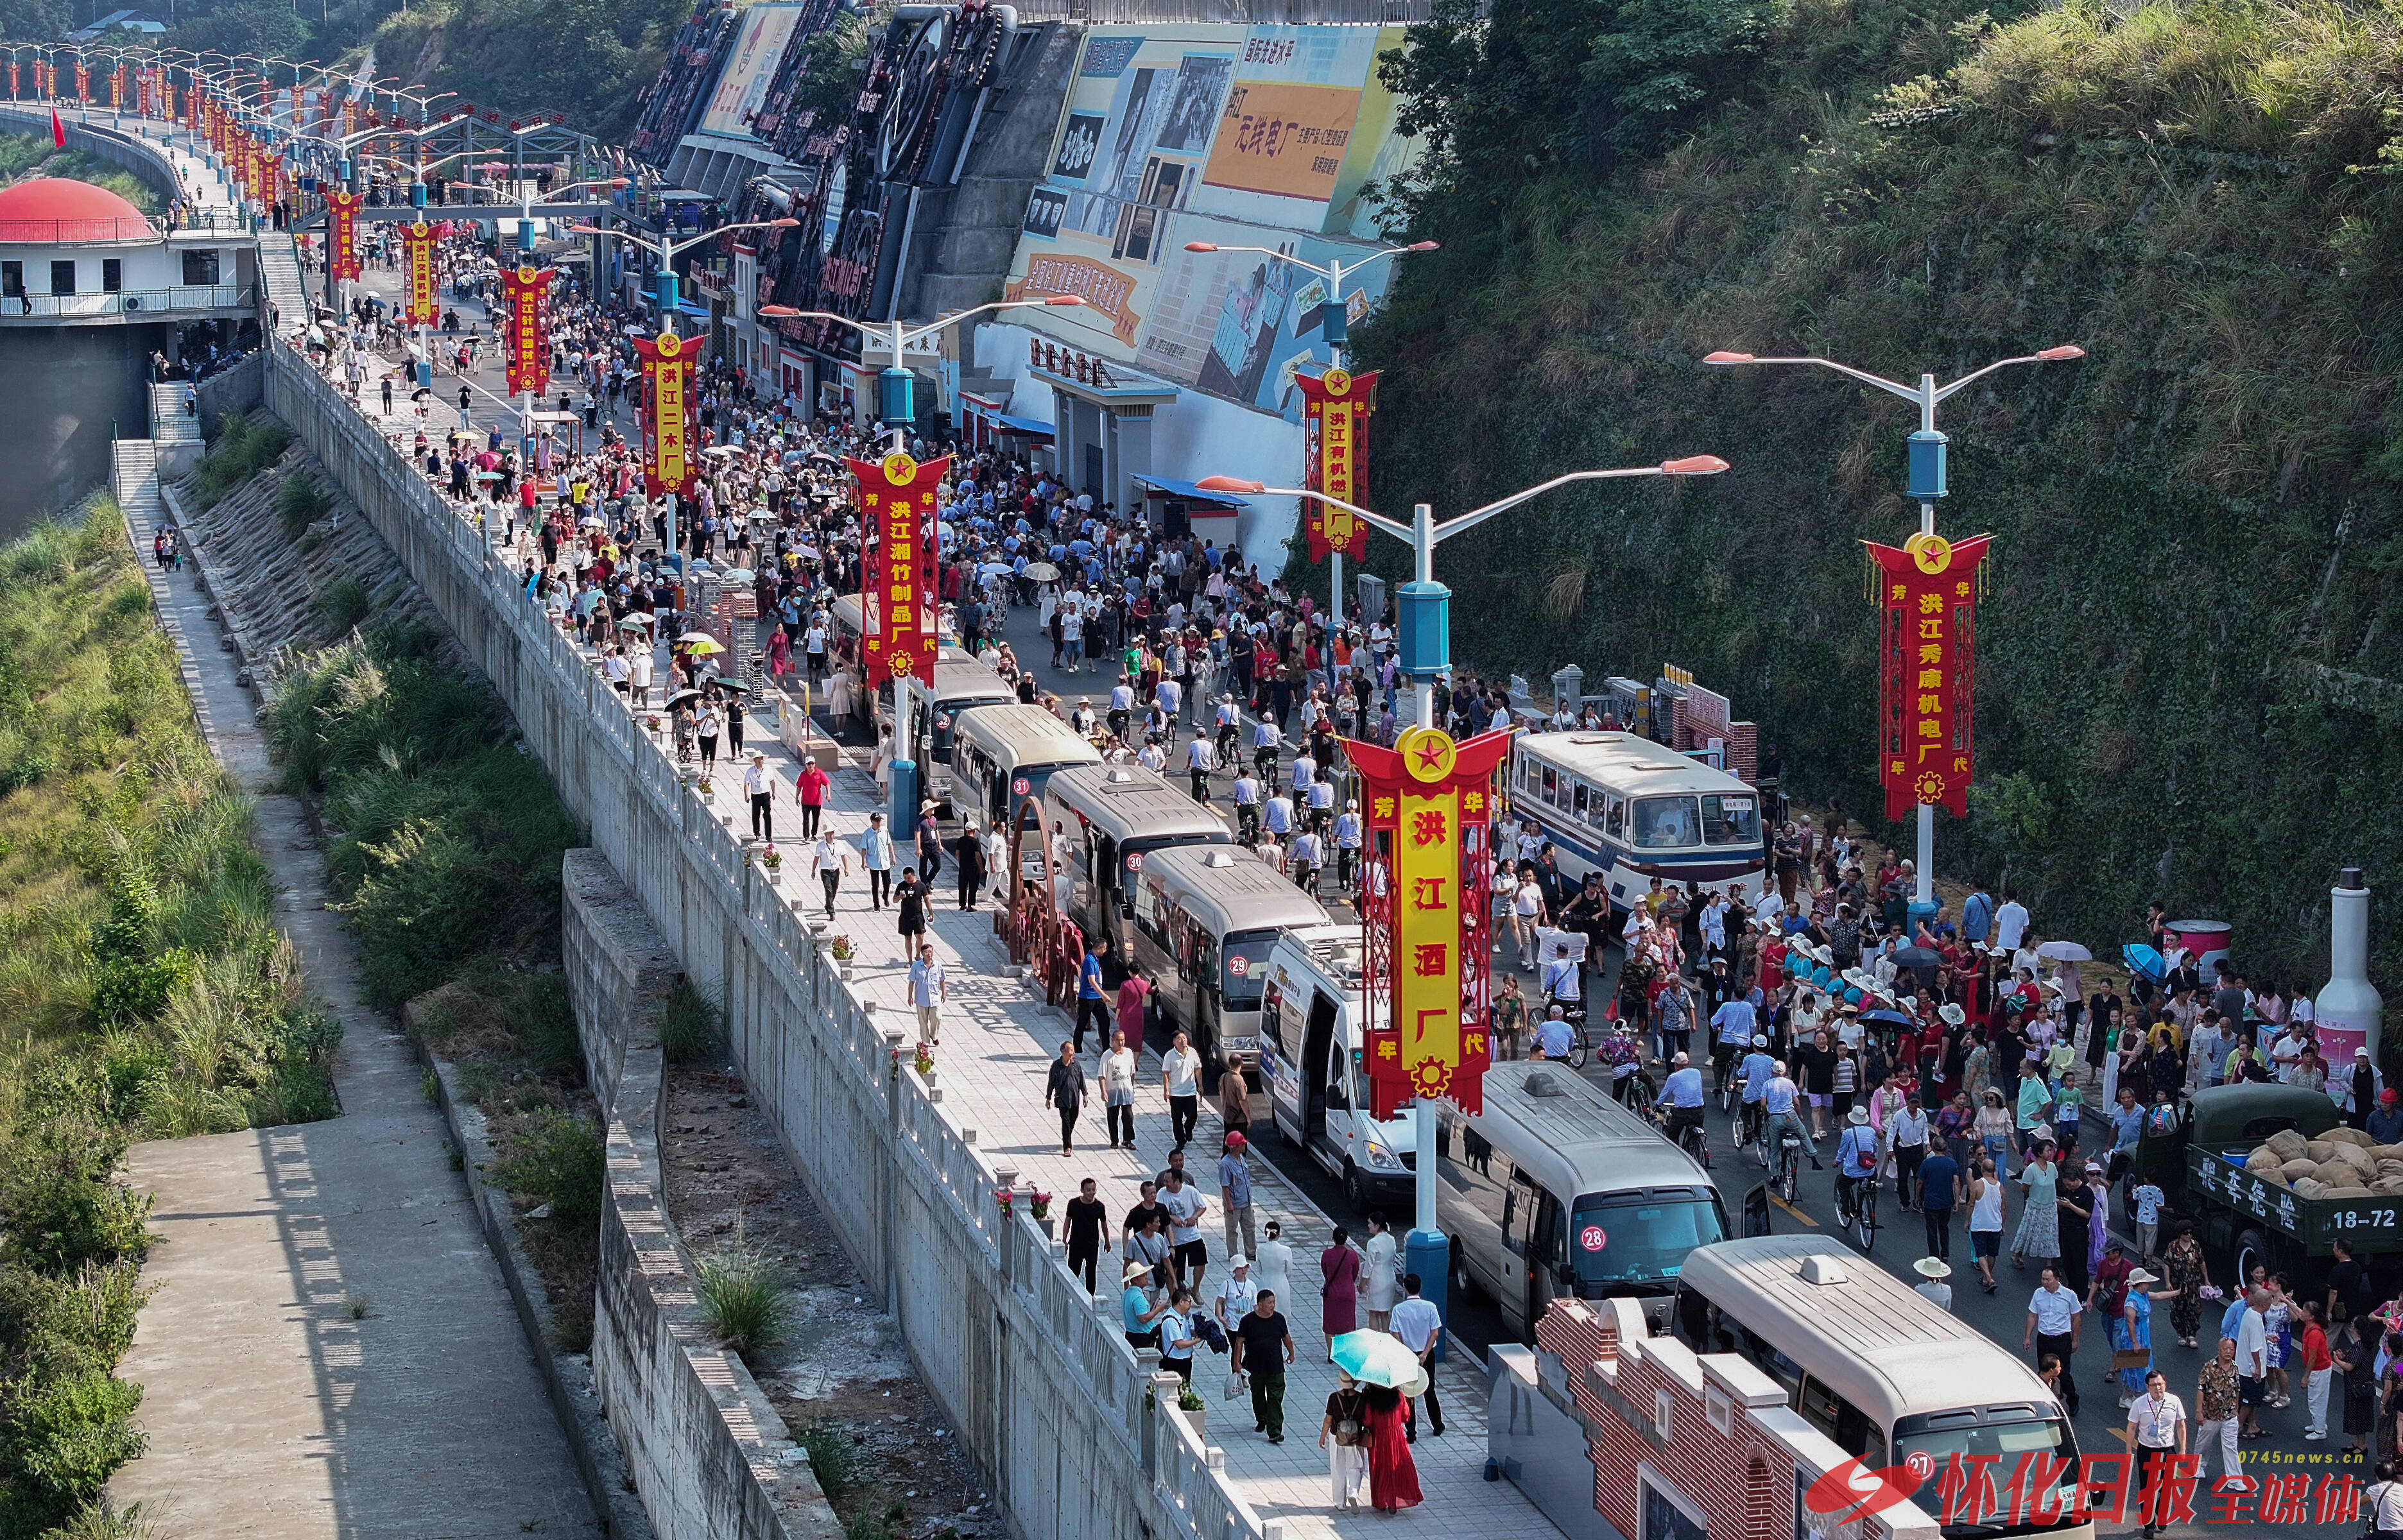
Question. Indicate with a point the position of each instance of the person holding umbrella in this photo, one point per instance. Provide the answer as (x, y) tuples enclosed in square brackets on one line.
[(1390, 1372)]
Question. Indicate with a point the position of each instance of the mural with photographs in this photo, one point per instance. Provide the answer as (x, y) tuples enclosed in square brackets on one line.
[(1233, 135)]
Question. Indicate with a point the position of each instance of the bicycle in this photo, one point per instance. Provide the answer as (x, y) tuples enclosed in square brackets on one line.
[(1859, 1216), (1785, 1168)]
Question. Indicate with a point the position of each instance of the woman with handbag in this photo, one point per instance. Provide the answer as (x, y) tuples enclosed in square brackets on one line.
[(1343, 1434), (2134, 1361), (1339, 1293)]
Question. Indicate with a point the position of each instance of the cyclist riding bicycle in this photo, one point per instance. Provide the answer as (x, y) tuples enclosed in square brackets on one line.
[(1564, 985), (1857, 1160), (1553, 1036), (1757, 1071), (1683, 1095), (1735, 1027), (1777, 1102)]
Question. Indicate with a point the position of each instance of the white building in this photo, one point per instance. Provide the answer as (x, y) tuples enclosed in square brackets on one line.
[(75, 254)]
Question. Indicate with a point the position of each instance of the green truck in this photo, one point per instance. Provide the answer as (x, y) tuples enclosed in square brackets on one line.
[(2241, 1219)]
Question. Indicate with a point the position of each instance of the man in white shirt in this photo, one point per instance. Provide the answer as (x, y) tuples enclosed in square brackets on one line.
[(1180, 1081), (1347, 843), (2286, 1052), (1189, 1254), (1247, 805), (2009, 922), (2157, 1433), (1419, 1326), (2052, 1329), (930, 985), (830, 860), (1277, 816), (758, 783), (1200, 760)]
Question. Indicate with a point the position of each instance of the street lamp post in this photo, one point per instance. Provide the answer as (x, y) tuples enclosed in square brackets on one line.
[(1334, 324), (1926, 483), (1425, 639)]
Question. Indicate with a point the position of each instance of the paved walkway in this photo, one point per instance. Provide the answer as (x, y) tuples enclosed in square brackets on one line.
[(271, 1410)]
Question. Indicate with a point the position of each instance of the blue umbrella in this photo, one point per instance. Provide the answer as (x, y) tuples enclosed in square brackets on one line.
[(2144, 959), (1888, 1019), (1375, 1357)]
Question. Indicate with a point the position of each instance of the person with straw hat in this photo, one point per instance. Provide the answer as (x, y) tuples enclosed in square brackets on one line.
[(1934, 1270)]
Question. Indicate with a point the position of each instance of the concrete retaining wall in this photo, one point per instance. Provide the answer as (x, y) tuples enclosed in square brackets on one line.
[(1066, 1423), (709, 1456)]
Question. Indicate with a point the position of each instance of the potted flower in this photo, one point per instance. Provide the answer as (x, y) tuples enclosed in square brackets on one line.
[(770, 861), (706, 788), (651, 724), (1041, 1203), (841, 947), (925, 1063), (1002, 1196), (1196, 1411)]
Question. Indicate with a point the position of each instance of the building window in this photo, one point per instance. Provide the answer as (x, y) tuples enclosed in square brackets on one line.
[(12, 280), (63, 277), (200, 267), (112, 275)]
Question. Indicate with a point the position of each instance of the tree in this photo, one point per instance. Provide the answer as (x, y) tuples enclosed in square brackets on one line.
[(264, 27)]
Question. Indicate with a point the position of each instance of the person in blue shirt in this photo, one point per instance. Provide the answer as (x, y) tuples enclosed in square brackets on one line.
[(1682, 1094), (1733, 1026), (1856, 1161), (1091, 1001), (1777, 1102), (1552, 1038), (1757, 1069), (1976, 915)]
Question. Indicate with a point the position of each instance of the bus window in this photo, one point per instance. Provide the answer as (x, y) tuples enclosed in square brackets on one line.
[(1614, 816), (1730, 821), (1551, 786), (1666, 823), (1580, 794), (1842, 1422)]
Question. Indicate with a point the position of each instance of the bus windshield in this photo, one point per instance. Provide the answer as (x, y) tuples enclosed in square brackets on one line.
[(1730, 821), (2008, 1442), (1244, 969), (1666, 823), (1641, 1241)]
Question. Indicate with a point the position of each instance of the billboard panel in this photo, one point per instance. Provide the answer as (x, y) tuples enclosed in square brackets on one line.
[(750, 69), (1216, 132)]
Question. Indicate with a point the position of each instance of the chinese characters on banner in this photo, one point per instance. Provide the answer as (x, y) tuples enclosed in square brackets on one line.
[(417, 242), (1430, 804), (1927, 600), (527, 352), (1335, 418), (83, 82), (342, 231), (897, 501), (670, 464), (116, 89)]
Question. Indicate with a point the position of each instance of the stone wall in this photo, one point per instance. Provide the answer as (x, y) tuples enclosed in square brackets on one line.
[(1067, 1427)]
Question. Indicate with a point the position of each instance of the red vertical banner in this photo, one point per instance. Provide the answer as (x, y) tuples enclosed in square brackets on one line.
[(417, 245), (116, 89), (669, 464), (295, 99), (342, 231), (526, 349), (1927, 614), (265, 95), (1334, 426), (1425, 914), (83, 80), (901, 611), (13, 92)]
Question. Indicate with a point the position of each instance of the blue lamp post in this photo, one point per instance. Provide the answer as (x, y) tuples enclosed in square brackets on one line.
[(1426, 653), (1925, 487)]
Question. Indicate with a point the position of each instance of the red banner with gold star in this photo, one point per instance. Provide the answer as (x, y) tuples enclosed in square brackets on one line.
[(1928, 603), (1335, 455), (342, 231), (525, 350), (417, 247), (1424, 915), (669, 462), (902, 602)]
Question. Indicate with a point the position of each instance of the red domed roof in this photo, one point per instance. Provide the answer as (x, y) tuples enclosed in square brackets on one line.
[(59, 208)]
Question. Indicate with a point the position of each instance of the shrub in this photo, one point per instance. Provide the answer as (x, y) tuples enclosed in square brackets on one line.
[(430, 901), (64, 1438), (343, 603), (558, 1159), (301, 502), (244, 447), (831, 1458), (692, 1030), (746, 1296), (61, 1205)]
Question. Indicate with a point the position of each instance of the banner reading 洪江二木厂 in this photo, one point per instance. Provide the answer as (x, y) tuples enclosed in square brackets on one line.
[(669, 462), (525, 349), (1927, 612), (1335, 456), (417, 248), (899, 499), (1424, 915)]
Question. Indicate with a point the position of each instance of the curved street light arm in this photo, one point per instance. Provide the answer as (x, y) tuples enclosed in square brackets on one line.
[(931, 327), (1909, 393), (1943, 391), (1475, 517), (1394, 527)]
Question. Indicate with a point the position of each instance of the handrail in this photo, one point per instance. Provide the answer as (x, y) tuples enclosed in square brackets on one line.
[(182, 297)]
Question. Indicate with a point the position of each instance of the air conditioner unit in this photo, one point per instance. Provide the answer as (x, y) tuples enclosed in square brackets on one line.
[(132, 301)]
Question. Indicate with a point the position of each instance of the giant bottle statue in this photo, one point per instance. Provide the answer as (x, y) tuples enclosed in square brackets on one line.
[(2347, 1005)]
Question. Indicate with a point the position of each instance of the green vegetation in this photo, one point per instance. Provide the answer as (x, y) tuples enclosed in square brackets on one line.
[(299, 502), (506, 54), (692, 1028), (146, 992), (748, 1298), (26, 156), (2189, 665), (246, 446)]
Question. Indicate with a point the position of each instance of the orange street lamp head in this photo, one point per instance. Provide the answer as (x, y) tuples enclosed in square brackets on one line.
[(1424, 246), (2067, 349), (1725, 357), (1201, 246), (1229, 483), (776, 311), (1694, 464), (1065, 299)]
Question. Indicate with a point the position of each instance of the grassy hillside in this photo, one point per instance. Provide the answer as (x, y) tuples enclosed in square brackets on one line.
[(507, 54), (144, 991), (2190, 665), (26, 156)]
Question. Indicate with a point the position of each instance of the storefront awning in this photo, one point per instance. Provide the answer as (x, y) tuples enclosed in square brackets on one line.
[(1032, 427), (1160, 486)]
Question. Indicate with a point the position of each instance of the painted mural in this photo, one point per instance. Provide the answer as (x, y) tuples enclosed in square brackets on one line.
[(1233, 135)]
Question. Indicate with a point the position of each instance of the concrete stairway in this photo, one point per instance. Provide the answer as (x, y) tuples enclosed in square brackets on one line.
[(133, 477), (279, 269)]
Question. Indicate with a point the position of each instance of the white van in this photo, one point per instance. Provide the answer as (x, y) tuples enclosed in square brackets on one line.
[(1311, 1067), (1002, 755), (1106, 821), (1204, 918)]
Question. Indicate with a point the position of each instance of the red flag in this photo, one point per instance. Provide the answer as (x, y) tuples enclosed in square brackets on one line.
[(58, 130)]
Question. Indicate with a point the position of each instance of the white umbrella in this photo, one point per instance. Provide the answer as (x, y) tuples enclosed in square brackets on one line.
[(2064, 951), (737, 575), (994, 569)]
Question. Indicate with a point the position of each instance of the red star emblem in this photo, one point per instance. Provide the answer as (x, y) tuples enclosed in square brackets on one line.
[(1430, 754)]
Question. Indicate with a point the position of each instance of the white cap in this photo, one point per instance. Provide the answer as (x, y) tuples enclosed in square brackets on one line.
[(1238, 1260)]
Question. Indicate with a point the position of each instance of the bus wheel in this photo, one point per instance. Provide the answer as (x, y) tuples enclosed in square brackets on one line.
[(1461, 1282)]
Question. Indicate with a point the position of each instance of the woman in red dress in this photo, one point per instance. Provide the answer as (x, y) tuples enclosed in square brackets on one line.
[(1393, 1475), (1339, 1265)]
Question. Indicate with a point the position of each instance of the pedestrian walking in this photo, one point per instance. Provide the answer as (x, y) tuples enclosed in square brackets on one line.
[(1180, 1081), (1117, 1090), (1380, 1272), (876, 854), (810, 787), (2157, 1431), (1086, 1215), (2217, 1402), (1235, 1195), (970, 850), (830, 860), (1189, 1254), (1263, 1349), (1091, 1003), (1393, 1475), (758, 784), (1419, 1326), (909, 902), (930, 985), (1934, 1290), (1343, 1434), (1339, 1295), (2052, 1327), (1064, 1092)]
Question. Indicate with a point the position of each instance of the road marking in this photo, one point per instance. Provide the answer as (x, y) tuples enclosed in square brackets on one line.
[(1792, 1210)]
